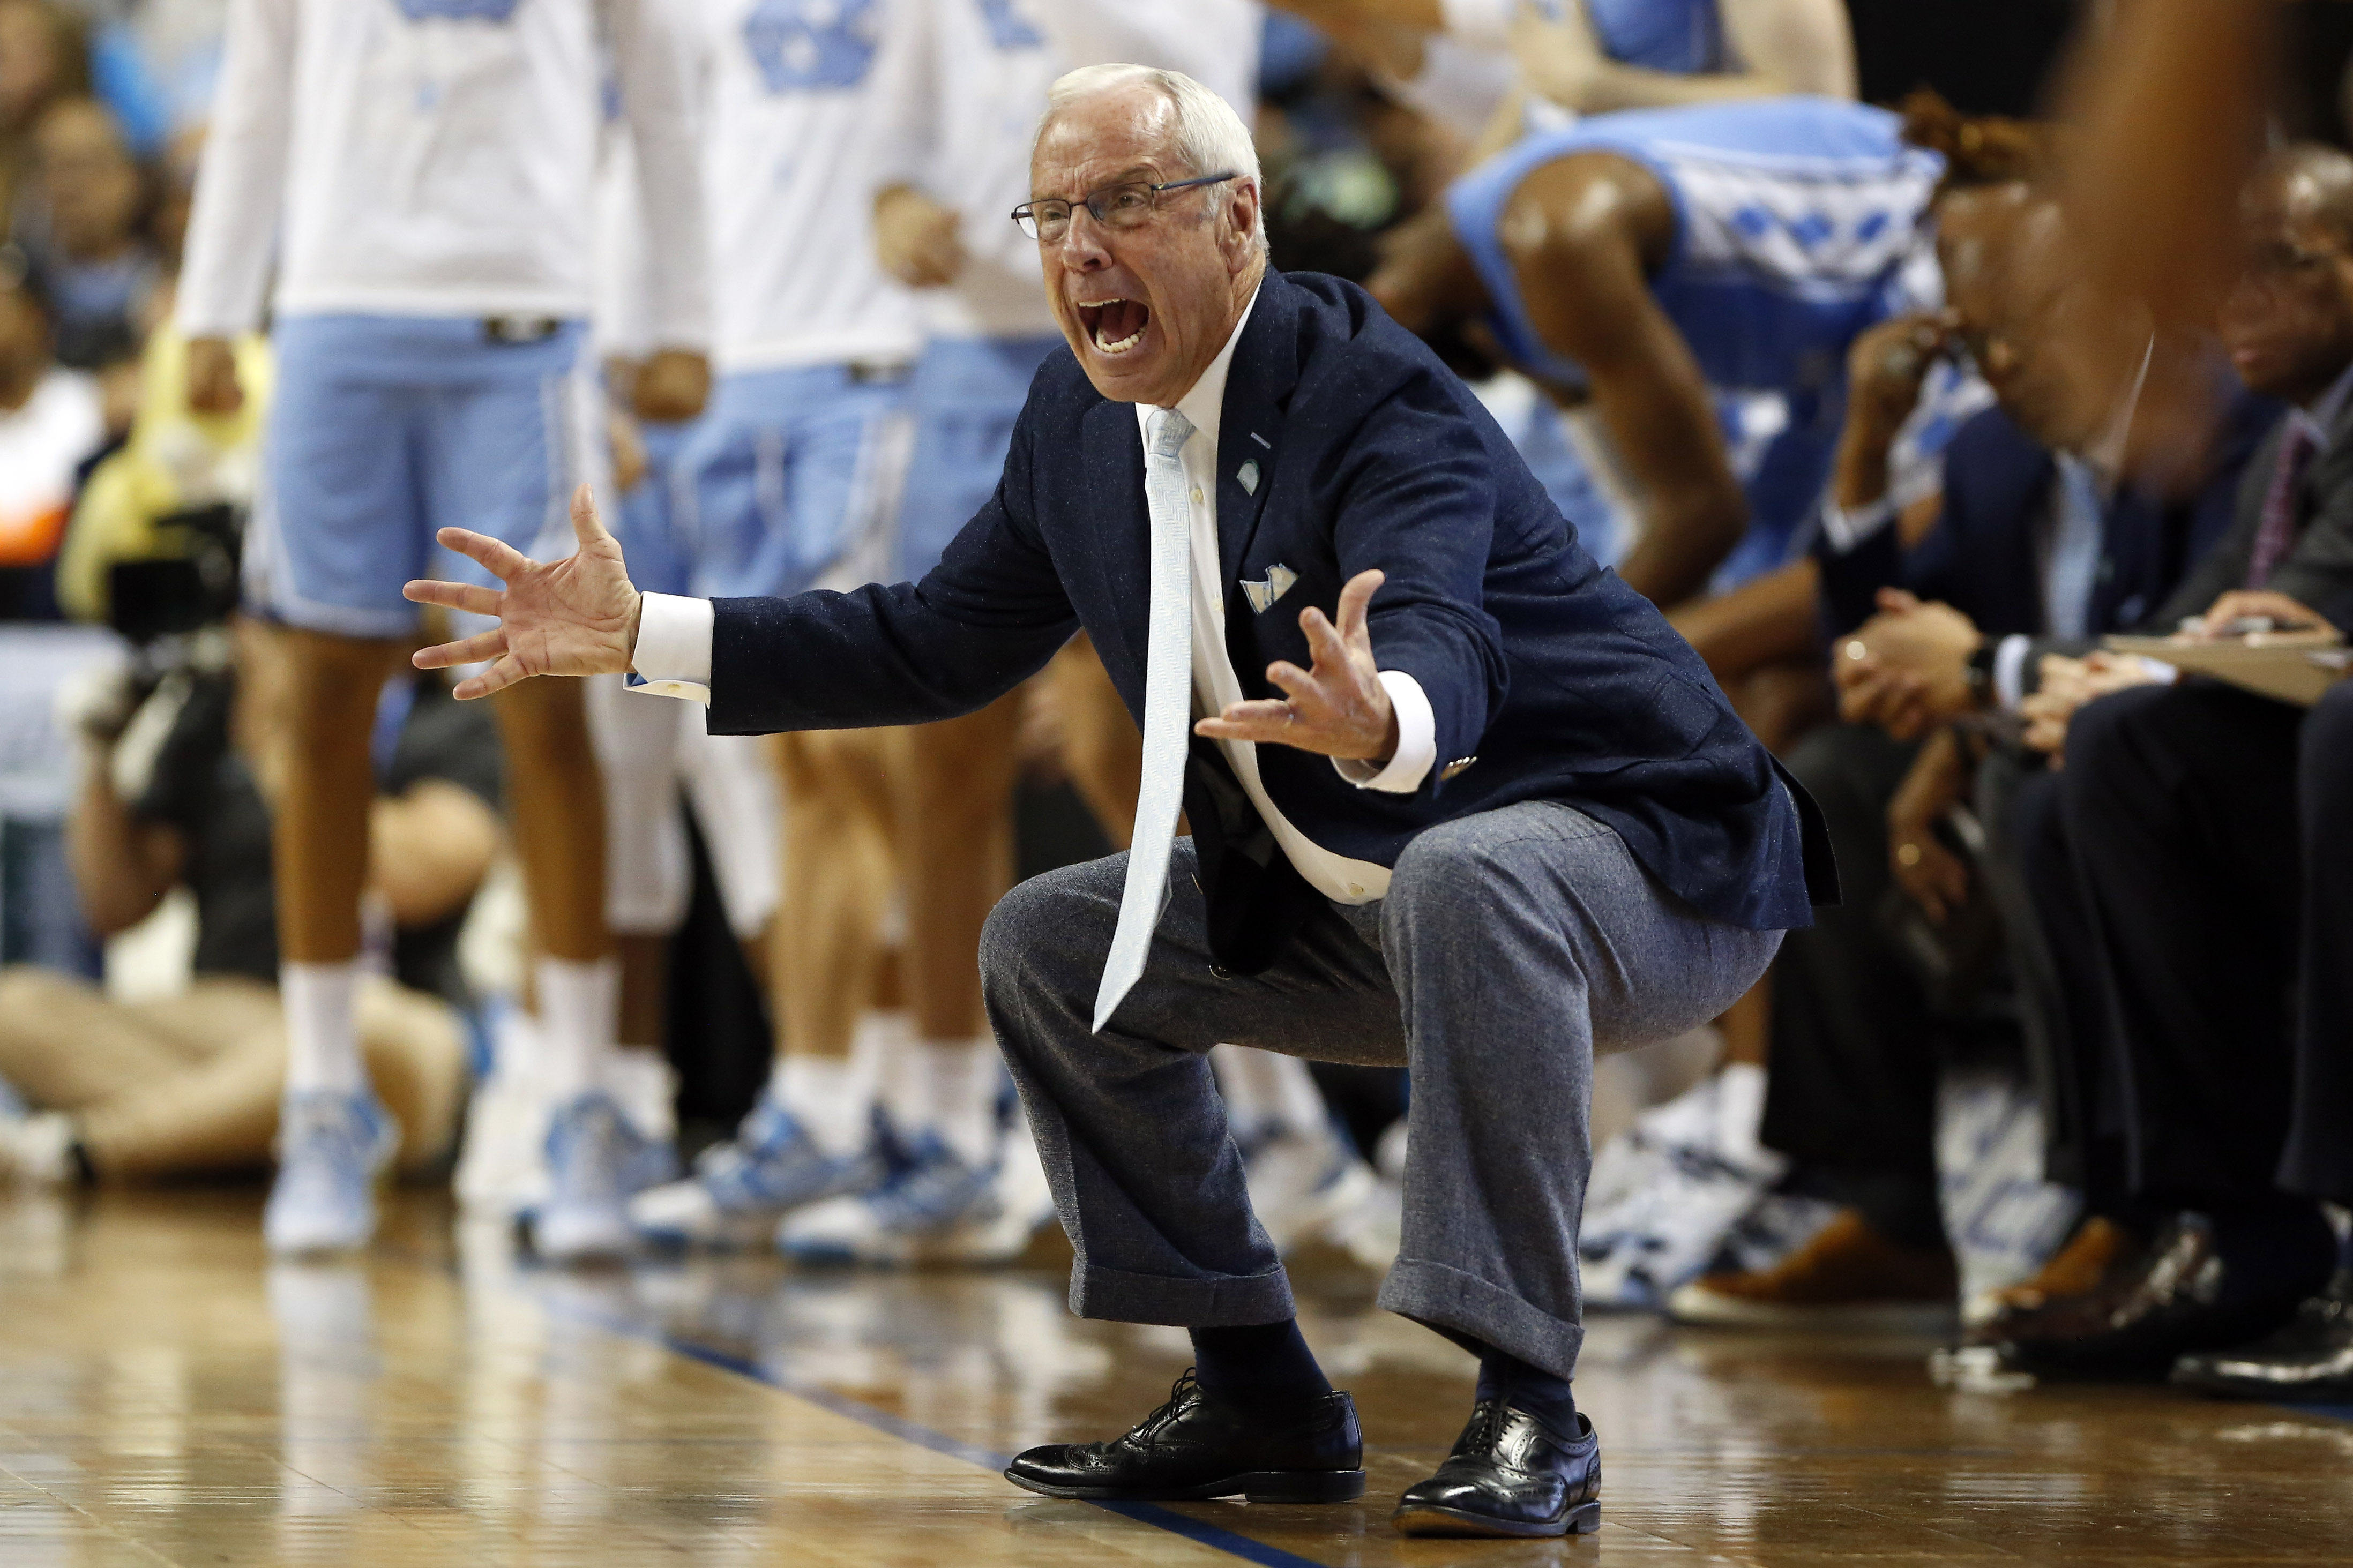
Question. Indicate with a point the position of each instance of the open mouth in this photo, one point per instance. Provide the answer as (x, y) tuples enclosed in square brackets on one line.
[(1114, 326)]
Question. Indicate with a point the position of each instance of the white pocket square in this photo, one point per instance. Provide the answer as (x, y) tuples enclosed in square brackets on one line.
[(1279, 579)]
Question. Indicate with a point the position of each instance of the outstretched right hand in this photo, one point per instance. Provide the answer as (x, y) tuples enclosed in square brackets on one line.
[(573, 617)]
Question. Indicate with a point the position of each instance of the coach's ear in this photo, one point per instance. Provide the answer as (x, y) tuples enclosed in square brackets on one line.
[(1245, 216)]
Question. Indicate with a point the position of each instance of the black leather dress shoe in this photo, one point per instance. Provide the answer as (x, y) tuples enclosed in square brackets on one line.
[(2309, 1362), (1509, 1475), (1198, 1446), (2184, 1298)]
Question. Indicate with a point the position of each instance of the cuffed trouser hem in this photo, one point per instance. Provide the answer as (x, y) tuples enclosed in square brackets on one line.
[(1453, 1302), (1230, 1301)]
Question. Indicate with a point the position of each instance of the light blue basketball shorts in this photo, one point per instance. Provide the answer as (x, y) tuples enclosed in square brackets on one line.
[(646, 521), (386, 428), (792, 480), (965, 397)]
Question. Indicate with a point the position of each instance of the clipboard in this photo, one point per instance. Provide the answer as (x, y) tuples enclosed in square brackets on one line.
[(2287, 666)]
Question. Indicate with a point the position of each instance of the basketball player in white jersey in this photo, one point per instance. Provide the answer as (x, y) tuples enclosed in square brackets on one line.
[(792, 482), (656, 757), (927, 809), (426, 168), (965, 81)]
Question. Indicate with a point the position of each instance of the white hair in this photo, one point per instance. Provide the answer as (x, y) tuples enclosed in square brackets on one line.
[(1210, 136)]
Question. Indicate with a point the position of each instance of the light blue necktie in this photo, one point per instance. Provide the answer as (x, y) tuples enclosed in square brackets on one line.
[(2074, 565), (1167, 710)]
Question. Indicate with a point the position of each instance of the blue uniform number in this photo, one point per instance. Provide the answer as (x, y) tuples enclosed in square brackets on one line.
[(457, 10), (1008, 28), (801, 46)]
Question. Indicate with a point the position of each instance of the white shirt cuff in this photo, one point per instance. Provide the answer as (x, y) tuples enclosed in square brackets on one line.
[(1845, 528), (673, 652), (2010, 670), (1417, 740)]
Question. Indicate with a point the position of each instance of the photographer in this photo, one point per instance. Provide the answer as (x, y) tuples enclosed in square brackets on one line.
[(178, 790)]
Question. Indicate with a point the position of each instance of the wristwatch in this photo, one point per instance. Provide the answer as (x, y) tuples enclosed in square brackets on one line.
[(1979, 674)]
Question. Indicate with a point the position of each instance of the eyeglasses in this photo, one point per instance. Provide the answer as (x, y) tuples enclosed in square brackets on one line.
[(1128, 205)]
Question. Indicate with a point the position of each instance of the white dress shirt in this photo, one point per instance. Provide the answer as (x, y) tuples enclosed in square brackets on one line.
[(673, 655)]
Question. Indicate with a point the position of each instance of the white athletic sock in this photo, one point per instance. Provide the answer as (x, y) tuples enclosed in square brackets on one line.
[(960, 1082), (322, 1038), (1740, 1110), (831, 1098), (514, 1045), (645, 1088), (1298, 1102), (881, 1046), (1249, 1111), (1268, 1094), (579, 1013)]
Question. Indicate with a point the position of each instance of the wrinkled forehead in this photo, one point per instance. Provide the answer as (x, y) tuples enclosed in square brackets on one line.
[(1126, 133), (2287, 206)]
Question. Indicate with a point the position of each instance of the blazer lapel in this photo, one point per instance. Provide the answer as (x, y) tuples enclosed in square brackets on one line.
[(1258, 383), (1120, 518), (2326, 474)]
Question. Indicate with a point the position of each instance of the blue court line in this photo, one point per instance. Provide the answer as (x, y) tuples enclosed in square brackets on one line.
[(1217, 1537)]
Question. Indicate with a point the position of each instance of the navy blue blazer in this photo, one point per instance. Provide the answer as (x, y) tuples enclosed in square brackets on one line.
[(1984, 555), (1549, 678)]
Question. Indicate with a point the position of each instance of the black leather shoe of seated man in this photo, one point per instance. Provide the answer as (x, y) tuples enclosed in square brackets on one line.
[(1196, 1445), (2309, 1362), (1509, 1475)]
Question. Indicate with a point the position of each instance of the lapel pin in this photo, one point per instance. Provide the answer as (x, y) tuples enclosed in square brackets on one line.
[(1247, 477), (1261, 440)]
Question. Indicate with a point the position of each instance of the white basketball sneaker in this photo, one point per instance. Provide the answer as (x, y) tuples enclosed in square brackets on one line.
[(332, 1147), (742, 1187), (935, 1208), (1692, 1171)]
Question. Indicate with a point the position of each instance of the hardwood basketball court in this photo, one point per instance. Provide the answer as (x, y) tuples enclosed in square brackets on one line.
[(168, 1396)]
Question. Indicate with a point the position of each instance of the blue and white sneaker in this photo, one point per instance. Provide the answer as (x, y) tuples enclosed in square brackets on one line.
[(742, 1187), (933, 1208), (332, 1147), (594, 1157), (1665, 1195)]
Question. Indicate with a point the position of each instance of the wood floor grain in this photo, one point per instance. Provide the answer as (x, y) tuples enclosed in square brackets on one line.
[(168, 1396)]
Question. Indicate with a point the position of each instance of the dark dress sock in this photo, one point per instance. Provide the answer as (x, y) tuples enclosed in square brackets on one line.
[(1506, 1377), (1258, 1364), (2276, 1246)]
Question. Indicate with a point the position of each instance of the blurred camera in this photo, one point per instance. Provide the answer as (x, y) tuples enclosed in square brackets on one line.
[(188, 585)]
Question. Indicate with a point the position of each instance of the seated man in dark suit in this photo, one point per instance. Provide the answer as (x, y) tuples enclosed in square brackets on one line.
[(1477, 827), (2311, 1357), (2043, 530), (2207, 828)]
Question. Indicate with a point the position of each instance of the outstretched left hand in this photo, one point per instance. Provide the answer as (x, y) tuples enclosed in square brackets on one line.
[(1339, 707)]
